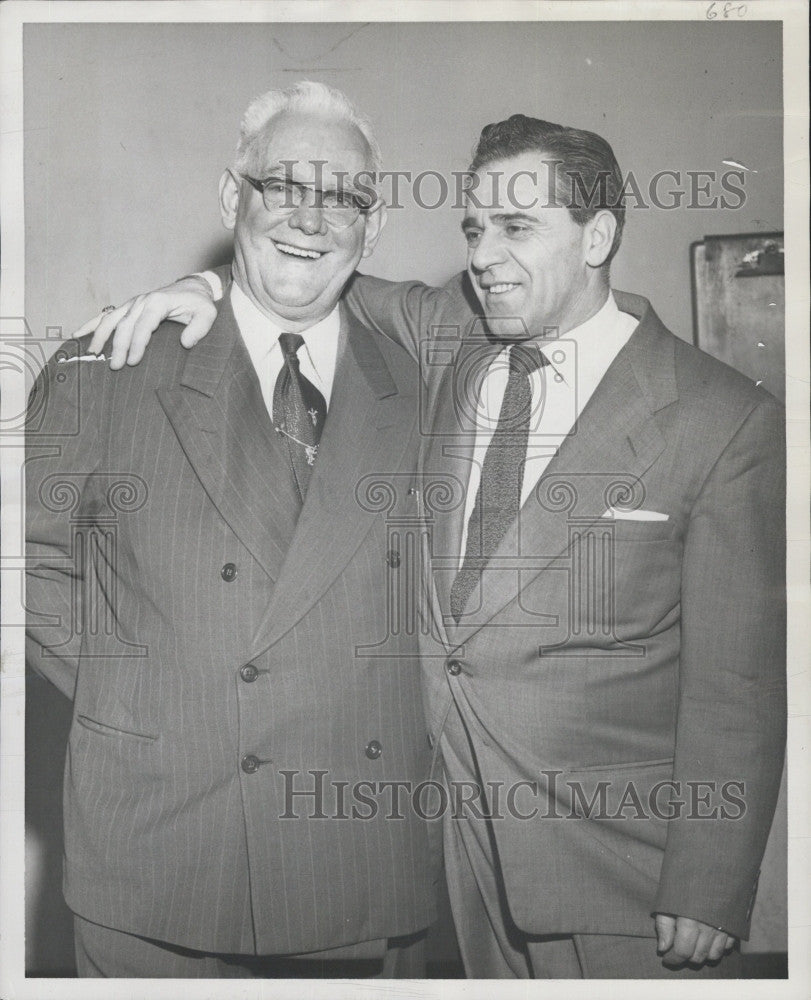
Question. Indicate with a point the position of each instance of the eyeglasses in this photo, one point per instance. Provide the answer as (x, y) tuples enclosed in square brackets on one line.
[(339, 208)]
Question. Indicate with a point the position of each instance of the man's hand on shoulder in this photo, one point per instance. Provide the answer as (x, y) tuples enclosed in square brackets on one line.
[(189, 301), (682, 939)]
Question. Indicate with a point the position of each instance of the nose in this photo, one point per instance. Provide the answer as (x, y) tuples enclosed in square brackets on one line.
[(308, 219), (487, 252)]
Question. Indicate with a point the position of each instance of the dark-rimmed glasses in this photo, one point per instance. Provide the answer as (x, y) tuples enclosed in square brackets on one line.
[(339, 208)]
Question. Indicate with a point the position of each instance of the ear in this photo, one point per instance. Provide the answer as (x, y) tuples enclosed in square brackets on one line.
[(375, 221), (229, 198), (599, 237)]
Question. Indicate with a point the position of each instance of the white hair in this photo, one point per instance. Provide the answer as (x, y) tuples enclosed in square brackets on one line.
[(306, 96)]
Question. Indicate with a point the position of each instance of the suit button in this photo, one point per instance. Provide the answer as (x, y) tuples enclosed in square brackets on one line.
[(373, 749), (229, 572), (454, 668), (249, 764), (248, 673), (393, 558)]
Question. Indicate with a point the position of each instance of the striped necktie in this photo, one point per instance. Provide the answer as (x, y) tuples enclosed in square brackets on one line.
[(498, 499), (299, 413)]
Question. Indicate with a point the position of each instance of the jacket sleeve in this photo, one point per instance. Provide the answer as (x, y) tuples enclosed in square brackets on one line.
[(732, 700), (408, 312), (223, 272), (62, 450)]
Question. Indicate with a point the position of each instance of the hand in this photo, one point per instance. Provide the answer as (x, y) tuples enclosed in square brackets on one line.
[(188, 301), (685, 940)]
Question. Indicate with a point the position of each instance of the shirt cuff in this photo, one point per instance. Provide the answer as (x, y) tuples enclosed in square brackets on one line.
[(212, 279)]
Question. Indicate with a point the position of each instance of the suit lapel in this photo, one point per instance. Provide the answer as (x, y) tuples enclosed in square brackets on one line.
[(368, 429), (447, 458), (615, 441), (219, 416)]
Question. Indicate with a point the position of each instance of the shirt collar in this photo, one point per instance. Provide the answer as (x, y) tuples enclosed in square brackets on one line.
[(261, 334), (587, 350)]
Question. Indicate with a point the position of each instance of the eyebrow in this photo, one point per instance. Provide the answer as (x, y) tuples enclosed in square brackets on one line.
[(279, 175), (500, 219)]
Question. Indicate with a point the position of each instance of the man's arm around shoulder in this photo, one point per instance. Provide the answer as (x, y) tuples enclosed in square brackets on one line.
[(409, 312)]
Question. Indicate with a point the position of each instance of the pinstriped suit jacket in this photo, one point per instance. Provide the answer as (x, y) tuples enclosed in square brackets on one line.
[(164, 557), (628, 662)]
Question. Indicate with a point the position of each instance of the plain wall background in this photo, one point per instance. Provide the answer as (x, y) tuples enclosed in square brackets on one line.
[(128, 128)]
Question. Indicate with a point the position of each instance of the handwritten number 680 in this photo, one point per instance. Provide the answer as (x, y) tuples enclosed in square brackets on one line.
[(728, 10)]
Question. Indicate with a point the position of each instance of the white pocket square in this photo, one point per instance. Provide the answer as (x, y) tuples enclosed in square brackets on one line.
[(635, 515)]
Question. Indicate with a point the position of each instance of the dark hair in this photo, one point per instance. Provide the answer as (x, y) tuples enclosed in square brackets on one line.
[(587, 175)]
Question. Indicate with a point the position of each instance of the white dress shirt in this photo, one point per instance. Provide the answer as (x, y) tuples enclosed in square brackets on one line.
[(317, 357), (577, 363)]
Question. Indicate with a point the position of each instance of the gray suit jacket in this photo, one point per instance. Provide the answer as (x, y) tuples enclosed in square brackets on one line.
[(220, 654), (616, 668)]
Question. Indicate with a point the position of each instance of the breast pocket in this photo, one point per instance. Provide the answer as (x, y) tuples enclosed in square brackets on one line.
[(616, 580), (640, 531), (643, 576)]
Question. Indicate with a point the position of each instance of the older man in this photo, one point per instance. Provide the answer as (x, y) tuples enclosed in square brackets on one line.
[(221, 670), (606, 595)]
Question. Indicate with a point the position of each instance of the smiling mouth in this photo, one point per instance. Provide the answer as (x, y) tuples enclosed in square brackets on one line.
[(501, 288), (291, 251)]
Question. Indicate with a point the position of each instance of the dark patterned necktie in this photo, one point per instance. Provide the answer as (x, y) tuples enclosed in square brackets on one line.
[(498, 499), (299, 412)]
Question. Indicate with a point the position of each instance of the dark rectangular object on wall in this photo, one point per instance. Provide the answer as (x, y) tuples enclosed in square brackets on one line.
[(739, 304)]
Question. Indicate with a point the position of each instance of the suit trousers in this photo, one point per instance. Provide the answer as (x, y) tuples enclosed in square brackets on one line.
[(492, 947), (105, 953)]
